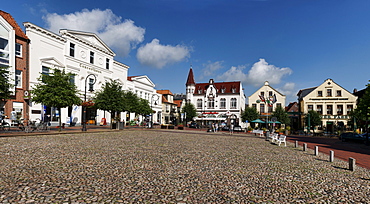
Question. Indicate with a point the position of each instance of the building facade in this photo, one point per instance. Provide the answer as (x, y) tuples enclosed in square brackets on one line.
[(169, 108), (14, 55), (266, 99), (216, 102), (143, 87), (81, 53), (331, 101)]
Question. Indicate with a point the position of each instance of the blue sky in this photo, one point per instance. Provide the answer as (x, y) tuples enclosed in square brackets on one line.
[(293, 44)]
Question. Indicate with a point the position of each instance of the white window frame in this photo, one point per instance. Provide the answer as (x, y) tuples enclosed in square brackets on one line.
[(18, 50), (18, 79)]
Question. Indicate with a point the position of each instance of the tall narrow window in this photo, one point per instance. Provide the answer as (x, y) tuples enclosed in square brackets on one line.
[(328, 92), (4, 51), (199, 103), (310, 107), (233, 103), (72, 79), (107, 63), (222, 103), (329, 109), (319, 109), (339, 109), (262, 108), (18, 50), (339, 93), (18, 79), (319, 93), (71, 49), (45, 70), (349, 108), (270, 108), (91, 57), (211, 104)]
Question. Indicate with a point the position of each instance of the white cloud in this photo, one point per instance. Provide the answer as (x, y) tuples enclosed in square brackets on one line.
[(288, 89), (211, 67), (122, 36), (234, 74), (157, 55), (261, 71)]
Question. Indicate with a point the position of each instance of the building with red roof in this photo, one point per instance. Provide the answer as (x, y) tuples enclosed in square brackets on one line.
[(216, 102), (14, 54)]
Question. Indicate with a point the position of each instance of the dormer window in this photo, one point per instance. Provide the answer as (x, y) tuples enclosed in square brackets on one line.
[(199, 91)]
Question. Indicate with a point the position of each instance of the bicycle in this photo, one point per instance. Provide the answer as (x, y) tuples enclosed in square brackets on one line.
[(4, 126)]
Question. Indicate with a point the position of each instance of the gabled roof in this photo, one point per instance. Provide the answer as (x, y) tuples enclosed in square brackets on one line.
[(164, 92), (304, 92), (14, 24), (227, 86), (88, 38), (178, 103), (142, 79)]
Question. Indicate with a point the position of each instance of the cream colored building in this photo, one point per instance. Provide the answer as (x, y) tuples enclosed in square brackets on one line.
[(331, 101), (266, 99)]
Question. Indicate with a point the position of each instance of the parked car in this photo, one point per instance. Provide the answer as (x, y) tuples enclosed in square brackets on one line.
[(193, 125), (238, 129), (352, 136)]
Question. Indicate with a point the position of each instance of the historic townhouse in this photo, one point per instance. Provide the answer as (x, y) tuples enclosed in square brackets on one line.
[(169, 107), (143, 87), (216, 102), (81, 53), (266, 99), (14, 54), (333, 102)]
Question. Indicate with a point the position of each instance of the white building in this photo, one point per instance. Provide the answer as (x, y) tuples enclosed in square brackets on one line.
[(331, 101), (143, 87), (216, 101), (266, 99), (81, 53)]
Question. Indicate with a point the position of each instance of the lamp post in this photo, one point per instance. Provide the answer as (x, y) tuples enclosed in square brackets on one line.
[(84, 107), (155, 99)]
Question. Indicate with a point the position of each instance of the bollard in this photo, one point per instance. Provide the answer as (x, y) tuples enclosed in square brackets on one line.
[(296, 144), (352, 163), (316, 150), (331, 159), (304, 147)]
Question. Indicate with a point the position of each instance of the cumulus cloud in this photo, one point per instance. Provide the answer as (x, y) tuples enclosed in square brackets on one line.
[(121, 35), (156, 55), (234, 74), (211, 67), (261, 71)]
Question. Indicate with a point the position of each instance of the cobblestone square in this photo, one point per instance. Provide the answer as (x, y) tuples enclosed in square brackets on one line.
[(153, 166)]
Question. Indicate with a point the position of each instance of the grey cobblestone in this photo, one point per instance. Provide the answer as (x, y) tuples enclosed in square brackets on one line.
[(145, 166)]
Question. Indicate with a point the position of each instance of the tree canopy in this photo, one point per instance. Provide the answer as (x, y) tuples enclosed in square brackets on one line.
[(189, 110), (314, 117), (5, 86), (249, 114), (56, 90), (362, 111), (281, 115), (110, 97)]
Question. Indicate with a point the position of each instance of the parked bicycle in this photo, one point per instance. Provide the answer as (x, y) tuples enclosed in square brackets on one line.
[(4, 126)]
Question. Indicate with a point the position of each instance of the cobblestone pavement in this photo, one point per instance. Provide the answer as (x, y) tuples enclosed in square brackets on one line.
[(152, 166)]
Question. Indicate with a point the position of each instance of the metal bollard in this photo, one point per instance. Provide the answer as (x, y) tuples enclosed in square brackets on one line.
[(331, 158), (304, 147), (296, 144), (316, 150), (352, 163)]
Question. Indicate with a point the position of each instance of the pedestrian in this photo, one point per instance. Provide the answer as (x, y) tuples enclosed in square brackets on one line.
[(216, 127), (231, 129), (213, 127)]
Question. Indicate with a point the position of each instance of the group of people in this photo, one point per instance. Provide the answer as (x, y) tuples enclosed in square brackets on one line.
[(215, 127)]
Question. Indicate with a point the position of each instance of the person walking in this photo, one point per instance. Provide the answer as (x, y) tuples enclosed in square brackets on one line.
[(231, 129), (216, 127)]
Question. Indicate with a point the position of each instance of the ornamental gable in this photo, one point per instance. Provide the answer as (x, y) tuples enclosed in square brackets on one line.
[(329, 90)]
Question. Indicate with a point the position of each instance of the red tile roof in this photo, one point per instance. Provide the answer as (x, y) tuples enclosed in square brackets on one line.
[(14, 24), (178, 103), (227, 86), (190, 80), (164, 92)]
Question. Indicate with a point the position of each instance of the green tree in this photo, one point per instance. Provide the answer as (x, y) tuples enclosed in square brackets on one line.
[(130, 102), (249, 114), (363, 107), (110, 98), (5, 86), (143, 107), (56, 90), (281, 115), (189, 110), (313, 118)]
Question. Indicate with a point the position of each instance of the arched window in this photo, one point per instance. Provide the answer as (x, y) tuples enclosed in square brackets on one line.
[(199, 103), (211, 104), (233, 103)]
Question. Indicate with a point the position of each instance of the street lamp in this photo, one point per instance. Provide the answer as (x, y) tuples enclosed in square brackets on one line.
[(155, 99), (91, 88)]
